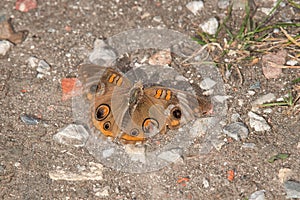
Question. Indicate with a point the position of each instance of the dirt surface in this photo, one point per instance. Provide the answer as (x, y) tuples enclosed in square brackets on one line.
[(63, 33)]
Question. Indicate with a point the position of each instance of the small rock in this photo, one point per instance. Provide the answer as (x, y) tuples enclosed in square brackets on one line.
[(195, 6), (251, 92), (157, 19), (236, 130), (26, 5), (104, 193), (205, 183), (266, 11), (7, 32), (145, 15), (170, 156), (207, 84), (161, 58), (255, 86), (248, 145), (32, 62), (220, 98), (43, 67), (102, 54), (94, 172), (29, 119), (292, 189), (269, 60), (108, 152), (257, 122), (241, 4), (210, 26), (136, 153), (69, 88), (4, 47), (284, 174), (73, 134), (268, 110), (258, 195), (240, 102), (292, 62), (264, 99), (223, 4), (235, 117)]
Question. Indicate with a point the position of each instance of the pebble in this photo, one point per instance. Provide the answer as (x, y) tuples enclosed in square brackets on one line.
[(258, 195), (268, 110), (251, 92), (32, 62), (73, 134), (292, 62), (205, 183), (207, 84), (102, 54), (136, 153), (255, 86), (157, 19), (248, 145), (94, 172), (195, 6), (236, 130), (26, 5), (4, 47), (239, 4), (170, 156), (261, 100), (235, 117), (284, 174), (29, 119), (43, 68), (223, 4), (210, 26), (104, 193), (257, 122), (108, 152), (266, 11), (292, 189)]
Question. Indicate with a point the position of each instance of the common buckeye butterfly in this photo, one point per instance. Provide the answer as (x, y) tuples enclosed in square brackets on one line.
[(133, 111)]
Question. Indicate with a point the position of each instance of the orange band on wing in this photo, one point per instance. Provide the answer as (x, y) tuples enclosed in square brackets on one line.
[(112, 78), (119, 81), (158, 93), (168, 96)]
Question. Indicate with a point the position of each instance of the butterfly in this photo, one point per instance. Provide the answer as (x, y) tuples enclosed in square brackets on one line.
[(132, 111)]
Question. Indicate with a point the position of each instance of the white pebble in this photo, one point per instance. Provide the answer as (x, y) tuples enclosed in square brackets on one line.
[(195, 6), (210, 26)]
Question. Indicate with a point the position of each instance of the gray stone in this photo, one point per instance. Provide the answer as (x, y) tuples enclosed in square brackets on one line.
[(258, 195), (170, 156), (102, 54), (195, 6), (210, 26), (207, 84), (32, 62), (257, 122), (261, 100), (4, 47), (292, 189), (223, 4), (73, 134), (236, 130), (43, 67), (248, 145)]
